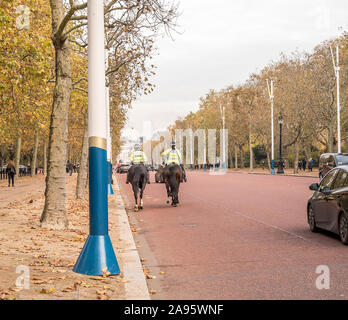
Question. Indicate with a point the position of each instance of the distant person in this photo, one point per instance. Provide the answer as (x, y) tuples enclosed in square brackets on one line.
[(263, 164), (11, 171), (310, 164), (304, 164), (71, 168), (299, 165)]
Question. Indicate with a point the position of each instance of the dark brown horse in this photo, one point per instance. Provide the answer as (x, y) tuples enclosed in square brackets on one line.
[(172, 177), (138, 179)]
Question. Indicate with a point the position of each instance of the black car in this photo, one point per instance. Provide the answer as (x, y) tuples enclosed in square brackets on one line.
[(328, 161), (328, 207)]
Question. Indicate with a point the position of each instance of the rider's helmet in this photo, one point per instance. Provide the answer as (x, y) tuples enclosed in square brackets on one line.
[(172, 144), (137, 147)]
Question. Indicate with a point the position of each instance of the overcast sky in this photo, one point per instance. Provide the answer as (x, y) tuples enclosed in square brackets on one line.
[(223, 41)]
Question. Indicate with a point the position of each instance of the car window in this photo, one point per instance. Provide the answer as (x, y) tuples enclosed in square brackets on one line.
[(328, 179), (341, 160), (340, 181)]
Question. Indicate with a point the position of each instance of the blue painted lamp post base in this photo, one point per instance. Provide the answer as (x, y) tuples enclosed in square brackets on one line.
[(97, 253), (110, 191), (272, 170)]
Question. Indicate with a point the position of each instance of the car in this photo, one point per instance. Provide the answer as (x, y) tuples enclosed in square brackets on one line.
[(123, 168), (159, 175), (149, 167), (328, 207), (328, 161)]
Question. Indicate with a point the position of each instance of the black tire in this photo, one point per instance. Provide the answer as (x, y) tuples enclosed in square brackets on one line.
[(311, 220), (343, 228)]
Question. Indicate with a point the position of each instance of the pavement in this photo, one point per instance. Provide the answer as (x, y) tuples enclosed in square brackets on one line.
[(49, 255), (235, 236)]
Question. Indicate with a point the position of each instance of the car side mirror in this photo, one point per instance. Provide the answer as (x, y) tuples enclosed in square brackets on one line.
[(314, 187)]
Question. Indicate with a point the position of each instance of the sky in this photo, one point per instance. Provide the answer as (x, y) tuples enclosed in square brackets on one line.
[(221, 43)]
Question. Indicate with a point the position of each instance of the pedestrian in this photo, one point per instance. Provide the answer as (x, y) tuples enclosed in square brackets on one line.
[(263, 164), (71, 167), (304, 164), (310, 164), (300, 165), (11, 171)]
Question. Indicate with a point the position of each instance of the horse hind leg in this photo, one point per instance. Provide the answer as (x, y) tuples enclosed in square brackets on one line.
[(135, 191), (168, 193), (141, 206)]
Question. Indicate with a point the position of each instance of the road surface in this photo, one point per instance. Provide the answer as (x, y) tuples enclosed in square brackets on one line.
[(235, 236)]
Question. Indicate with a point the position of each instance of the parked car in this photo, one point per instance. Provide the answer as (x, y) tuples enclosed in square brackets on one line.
[(328, 161), (149, 167), (124, 167), (159, 175), (328, 207)]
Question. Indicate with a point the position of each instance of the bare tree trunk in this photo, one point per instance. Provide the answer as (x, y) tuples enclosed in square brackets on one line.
[(18, 153), (285, 158), (45, 158), (330, 138), (297, 151), (82, 175), (54, 214), (34, 159), (241, 157), (235, 157), (251, 157)]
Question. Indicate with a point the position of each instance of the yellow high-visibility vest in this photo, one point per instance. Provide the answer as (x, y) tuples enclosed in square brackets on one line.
[(172, 156), (137, 157)]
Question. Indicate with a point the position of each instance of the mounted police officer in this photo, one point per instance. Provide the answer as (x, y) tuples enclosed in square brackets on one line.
[(172, 155), (137, 157)]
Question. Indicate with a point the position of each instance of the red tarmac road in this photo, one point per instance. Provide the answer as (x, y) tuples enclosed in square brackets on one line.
[(235, 236)]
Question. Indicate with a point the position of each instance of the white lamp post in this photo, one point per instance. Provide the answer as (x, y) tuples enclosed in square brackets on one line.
[(97, 256)]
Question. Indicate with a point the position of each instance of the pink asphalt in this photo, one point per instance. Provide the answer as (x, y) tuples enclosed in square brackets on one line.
[(235, 236)]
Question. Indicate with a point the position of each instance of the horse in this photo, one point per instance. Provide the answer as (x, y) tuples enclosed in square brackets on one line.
[(172, 175), (138, 179)]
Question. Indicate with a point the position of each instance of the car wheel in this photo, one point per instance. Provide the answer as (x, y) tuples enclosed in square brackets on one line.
[(311, 220), (343, 228)]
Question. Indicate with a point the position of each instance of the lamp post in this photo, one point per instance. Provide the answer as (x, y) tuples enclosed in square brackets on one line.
[(222, 113), (97, 256), (280, 162), (336, 65), (271, 97)]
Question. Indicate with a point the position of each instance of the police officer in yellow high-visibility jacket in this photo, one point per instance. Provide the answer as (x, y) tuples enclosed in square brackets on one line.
[(173, 156), (137, 157)]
